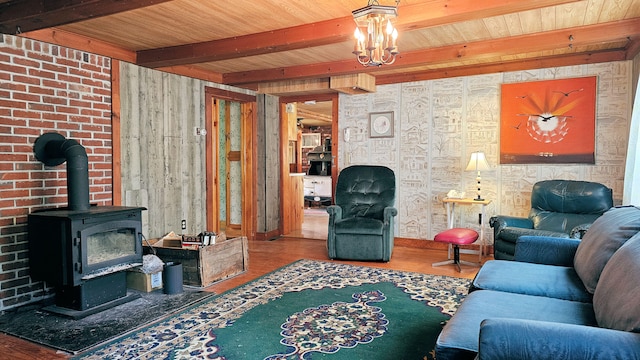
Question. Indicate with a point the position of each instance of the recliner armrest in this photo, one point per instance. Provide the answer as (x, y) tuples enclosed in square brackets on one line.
[(512, 234), (389, 213), (501, 221), (335, 212), (517, 339), (547, 250), (578, 231)]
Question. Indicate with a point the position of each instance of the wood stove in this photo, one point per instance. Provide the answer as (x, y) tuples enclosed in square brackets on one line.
[(83, 253), (82, 250)]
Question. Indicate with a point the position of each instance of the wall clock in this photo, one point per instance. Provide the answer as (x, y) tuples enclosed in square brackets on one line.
[(381, 124), (548, 121)]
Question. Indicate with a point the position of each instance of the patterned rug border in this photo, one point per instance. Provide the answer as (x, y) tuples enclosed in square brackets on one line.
[(189, 328)]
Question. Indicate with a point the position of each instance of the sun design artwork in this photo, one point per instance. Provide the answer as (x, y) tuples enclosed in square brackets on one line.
[(545, 121), (550, 121)]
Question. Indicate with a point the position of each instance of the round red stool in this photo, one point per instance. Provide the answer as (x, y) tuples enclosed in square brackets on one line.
[(456, 237)]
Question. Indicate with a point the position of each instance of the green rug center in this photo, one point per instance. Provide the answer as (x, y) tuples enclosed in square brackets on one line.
[(410, 332)]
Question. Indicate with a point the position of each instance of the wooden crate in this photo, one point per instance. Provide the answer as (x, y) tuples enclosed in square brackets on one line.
[(208, 264)]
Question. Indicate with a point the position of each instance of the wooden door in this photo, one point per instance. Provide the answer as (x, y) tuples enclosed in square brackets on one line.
[(230, 166)]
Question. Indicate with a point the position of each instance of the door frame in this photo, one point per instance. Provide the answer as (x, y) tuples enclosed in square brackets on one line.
[(249, 169), (284, 143)]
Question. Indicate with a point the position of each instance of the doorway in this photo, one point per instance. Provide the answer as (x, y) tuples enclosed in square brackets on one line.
[(312, 152), (229, 148)]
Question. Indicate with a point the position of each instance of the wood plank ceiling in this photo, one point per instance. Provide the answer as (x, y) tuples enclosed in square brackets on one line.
[(301, 44)]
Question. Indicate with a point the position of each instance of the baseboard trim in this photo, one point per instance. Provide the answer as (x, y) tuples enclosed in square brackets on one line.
[(398, 241), (266, 236)]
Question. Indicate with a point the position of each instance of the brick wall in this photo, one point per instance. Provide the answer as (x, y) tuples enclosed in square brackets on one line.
[(45, 88)]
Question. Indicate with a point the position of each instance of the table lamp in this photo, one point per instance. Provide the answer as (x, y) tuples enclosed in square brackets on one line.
[(477, 162)]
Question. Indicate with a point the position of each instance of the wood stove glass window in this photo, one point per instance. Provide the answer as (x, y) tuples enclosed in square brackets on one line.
[(110, 245)]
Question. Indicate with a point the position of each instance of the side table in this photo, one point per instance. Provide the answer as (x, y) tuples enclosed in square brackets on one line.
[(450, 203)]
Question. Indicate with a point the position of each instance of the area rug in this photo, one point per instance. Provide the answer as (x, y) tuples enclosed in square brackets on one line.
[(305, 310), (33, 323)]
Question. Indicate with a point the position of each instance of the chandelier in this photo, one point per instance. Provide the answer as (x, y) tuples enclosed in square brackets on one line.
[(375, 35)]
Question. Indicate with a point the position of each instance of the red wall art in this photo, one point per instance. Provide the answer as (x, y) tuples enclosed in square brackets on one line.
[(548, 122)]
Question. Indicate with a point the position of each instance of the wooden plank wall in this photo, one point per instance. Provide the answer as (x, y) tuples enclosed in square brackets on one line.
[(163, 161), (268, 164)]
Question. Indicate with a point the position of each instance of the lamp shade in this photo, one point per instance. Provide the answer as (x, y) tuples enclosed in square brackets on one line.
[(477, 162)]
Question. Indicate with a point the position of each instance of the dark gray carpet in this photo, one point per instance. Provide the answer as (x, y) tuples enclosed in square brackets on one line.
[(32, 323)]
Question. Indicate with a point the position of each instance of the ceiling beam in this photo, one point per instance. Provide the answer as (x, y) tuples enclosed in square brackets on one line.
[(79, 42), (82, 43), (17, 16), (550, 40), (193, 72), (505, 66), (633, 48), (306, 114), (410, 17)]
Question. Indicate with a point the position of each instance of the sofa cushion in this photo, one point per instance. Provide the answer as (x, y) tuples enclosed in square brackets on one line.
[(560, 282), (603, 238), (459, 338), (616, 302)]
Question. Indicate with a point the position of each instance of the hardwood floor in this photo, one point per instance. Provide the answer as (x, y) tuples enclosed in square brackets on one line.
[(267, 256)]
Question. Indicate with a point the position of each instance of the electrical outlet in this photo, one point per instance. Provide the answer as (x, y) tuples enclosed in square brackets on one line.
[(184, 224)]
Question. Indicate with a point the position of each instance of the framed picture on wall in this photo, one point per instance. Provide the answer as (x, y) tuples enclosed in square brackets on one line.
[(381, 124), (548, 122)]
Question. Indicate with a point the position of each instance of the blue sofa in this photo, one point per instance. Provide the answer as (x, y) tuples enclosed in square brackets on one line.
[(561, 299)]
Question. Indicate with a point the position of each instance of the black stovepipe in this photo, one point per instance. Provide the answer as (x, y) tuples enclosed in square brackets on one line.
[(53, 149)]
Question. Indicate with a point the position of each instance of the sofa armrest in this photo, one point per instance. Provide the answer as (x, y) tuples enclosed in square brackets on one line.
[(502, 221), (548, 250), (517, 339)]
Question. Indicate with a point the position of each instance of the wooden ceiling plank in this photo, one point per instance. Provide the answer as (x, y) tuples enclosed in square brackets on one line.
[(411, 17), (18, 16), (550, 40), (446, 12)]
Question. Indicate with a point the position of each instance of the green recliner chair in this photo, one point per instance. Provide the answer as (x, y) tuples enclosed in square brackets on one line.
[(361, 221), (559, 208)]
